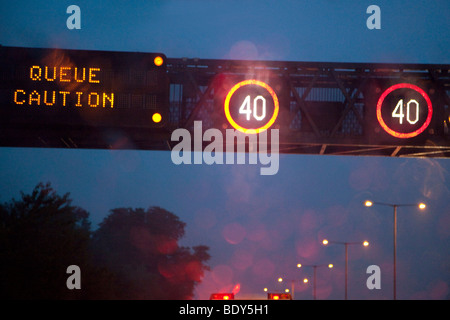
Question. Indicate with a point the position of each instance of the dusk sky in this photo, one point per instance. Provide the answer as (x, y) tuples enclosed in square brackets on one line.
[(258, 227)]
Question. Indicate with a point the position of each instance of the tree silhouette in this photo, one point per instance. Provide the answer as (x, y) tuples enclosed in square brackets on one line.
[(141, 248), (134, 254), (40, 236)]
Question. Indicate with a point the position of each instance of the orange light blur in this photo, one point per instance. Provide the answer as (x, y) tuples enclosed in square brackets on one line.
[(325, 241), (368, 203), (158, 61), (245, 83), (366, 243), (156, 117), (422, 206)]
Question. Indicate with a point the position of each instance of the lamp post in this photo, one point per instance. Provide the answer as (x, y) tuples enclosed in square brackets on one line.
[(315, 266), (346, 244), (421, 206), (305, 280)]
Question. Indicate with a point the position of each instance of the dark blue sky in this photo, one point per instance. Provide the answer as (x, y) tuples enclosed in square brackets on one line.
[(258, 227)]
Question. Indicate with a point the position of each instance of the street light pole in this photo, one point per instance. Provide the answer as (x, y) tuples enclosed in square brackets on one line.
[(292, 284), (292, 288), (346, 269), (314, 282), (315, 266), (421, 206), (395, 252), (346, 244)]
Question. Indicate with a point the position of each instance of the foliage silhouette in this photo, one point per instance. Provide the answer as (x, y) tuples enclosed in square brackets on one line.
[(41, 235), (141, 248), (134, 254)]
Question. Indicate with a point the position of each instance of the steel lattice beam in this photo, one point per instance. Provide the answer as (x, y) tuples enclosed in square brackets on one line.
[(353, 87), (321, 108)]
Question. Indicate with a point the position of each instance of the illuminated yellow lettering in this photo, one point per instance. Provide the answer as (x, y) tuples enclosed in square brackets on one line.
[(79, 99), (63, 73), (64, 93), (15, 96), (35, 76), (110, 99), (35, 96), (53, 98), (46, 74), (92, 75), (90, 100), (76, 75)]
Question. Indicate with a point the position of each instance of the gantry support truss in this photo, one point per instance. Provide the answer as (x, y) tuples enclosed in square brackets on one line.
[(325, 109), (329, 107)]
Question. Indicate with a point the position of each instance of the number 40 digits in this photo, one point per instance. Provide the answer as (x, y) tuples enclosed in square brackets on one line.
[(247, 109), (398, 111)]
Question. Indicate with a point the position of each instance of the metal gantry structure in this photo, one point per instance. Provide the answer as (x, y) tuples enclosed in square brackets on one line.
[(326, 109), (322, 108)]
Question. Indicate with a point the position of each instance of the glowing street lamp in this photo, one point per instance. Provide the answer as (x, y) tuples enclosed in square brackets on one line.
[(421, 206), (346, 244), (368, 203), (314, 266), (305, 281)]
